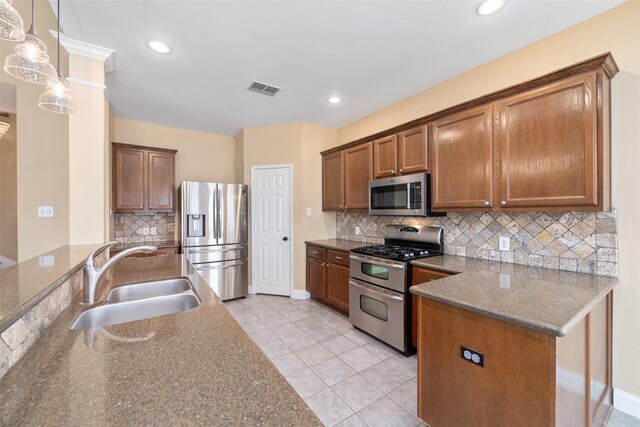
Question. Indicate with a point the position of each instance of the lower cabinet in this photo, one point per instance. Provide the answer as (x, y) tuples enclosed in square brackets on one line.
[(328, 277), (420, 275)]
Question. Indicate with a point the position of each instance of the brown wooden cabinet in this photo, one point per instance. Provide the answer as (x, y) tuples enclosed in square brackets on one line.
[(529, 378), (333, 181), (462, 160), (345, 178), (328, 277), (404, 153), (549, 145), (420, 275), (143, 179)]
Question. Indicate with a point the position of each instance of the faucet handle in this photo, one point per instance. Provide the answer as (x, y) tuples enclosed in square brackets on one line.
[(90, 259)]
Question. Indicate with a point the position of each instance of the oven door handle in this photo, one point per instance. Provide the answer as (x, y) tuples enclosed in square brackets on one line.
[(371, 260), (385, 295)]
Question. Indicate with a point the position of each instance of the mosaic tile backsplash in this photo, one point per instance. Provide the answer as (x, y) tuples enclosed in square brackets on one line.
[(584, 242), (131, 228)]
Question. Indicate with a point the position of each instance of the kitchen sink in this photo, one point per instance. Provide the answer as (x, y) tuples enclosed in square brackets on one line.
[(139, 309), (149, 290)]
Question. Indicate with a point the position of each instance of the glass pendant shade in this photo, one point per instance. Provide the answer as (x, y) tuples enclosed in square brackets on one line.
[(11, 26), (57, 97), (30, 62), (4, 127)]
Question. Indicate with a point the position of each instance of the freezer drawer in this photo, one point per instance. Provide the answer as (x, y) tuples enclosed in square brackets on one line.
[(229, 279), (201, 254)]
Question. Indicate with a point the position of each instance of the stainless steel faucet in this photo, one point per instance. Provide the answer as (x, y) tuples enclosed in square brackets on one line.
[(93, 275)]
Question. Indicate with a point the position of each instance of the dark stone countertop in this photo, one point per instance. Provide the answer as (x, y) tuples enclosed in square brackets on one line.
[(197, 367), (551, 301), (337, 244)]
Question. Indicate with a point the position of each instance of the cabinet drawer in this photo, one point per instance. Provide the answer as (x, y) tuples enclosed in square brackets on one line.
[(316, 252), (337, 257)]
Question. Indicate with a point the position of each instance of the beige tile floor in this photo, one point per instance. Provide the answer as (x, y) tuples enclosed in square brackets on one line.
[(346, 377)]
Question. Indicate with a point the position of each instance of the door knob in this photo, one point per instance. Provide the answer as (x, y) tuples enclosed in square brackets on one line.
[(285, 238)]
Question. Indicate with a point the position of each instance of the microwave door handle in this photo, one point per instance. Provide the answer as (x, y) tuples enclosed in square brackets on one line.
[(382, 294)]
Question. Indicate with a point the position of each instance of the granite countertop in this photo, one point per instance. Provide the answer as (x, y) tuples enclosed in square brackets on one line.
[(192, 368), (337, 244), (550, 301), (158, 243), (25, 284)]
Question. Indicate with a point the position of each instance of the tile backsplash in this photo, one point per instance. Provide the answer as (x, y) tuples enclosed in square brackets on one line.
[(585, 242), (131, 228)]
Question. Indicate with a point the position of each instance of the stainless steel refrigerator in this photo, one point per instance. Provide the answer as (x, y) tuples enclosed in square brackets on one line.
[(215, 236)]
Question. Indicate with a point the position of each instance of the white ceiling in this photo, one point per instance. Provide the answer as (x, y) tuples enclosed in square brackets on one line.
[(370, 53)]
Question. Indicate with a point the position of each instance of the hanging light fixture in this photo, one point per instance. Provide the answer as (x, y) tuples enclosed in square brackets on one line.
[(29, 61), (11, 26), (57, 97), (4, 125)]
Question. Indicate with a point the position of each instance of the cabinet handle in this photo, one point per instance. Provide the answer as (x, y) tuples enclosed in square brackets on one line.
[(393, 171), (322, 264), (340, 206), (401, 170), (486, 203), (345, 206), (315, 252), (338, 257), (503, 203)]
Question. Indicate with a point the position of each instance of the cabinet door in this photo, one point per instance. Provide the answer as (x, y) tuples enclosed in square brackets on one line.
[(338, 286), (548, 145), (418, 276), (462, 160), (128, 179), (385, 157), (317, 278), (413, 153), (333, 181), (161, 181), (358, 172)]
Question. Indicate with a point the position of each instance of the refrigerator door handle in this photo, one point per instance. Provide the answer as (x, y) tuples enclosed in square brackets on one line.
[(222, 265), (218, 222), (204, 251)]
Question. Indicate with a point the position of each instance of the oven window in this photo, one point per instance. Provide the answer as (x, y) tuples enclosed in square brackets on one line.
[(375, 270), (389, 197), (374, 308)]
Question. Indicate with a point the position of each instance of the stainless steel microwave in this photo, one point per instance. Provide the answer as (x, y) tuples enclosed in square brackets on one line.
[(406, 195)]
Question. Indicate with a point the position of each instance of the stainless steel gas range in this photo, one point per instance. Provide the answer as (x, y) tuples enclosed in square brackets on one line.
[(379, 280)]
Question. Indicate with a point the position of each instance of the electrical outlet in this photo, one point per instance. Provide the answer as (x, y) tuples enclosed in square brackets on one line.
[(472, 356), (505, 243), (46, 261), (45, 211), (308, 211), (153, 231), (358, 231)]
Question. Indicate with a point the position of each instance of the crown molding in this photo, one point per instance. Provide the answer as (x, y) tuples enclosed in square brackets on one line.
[(88, 50), (80, 82)]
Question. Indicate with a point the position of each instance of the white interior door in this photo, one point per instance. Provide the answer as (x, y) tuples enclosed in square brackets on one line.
[(271, 227)]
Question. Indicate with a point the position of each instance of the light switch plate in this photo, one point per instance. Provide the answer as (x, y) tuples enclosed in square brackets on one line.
[(505, 243), (45, 211), (358, 231), (308, 211), (46, 261), (153, 231)]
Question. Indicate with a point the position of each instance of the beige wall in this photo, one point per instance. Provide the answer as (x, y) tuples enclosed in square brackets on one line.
[(42, 150), (298, 144), (616, 31), (8, 192), (88, 159), (239, 150)]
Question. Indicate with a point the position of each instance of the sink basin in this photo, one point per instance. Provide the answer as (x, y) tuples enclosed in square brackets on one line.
[(128, 311), (149, 290)]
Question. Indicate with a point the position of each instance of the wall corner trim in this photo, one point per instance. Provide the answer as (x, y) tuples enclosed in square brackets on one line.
[(300, 294), (88, 50), (626, 402)]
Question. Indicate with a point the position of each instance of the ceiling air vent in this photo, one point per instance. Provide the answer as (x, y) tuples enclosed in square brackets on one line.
[(264, 88)]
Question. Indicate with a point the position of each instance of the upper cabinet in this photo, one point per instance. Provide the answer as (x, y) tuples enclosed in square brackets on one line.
[(404, 153), (345, 178), (143, 179), (544, 144), (333, 181), (549, 145), (462, 166)]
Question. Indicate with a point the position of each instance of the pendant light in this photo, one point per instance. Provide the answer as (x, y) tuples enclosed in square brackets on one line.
[(57, 97), (11, 26), (29, 61)]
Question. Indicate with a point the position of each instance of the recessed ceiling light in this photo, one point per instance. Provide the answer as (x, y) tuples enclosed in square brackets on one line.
[(487, 7), (334, 100), (159, 46)]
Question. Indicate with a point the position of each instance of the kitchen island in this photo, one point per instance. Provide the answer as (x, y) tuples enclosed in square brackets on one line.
[(504, 344), (197, 367)]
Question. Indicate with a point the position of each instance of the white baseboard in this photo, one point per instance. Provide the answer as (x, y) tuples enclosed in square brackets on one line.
[(300, 294), (626, 402), (252, 290)]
